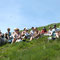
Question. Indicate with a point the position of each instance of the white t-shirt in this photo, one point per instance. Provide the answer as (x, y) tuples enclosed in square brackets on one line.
[(32, 32), (26, 34), (57, 29), (50, 32)]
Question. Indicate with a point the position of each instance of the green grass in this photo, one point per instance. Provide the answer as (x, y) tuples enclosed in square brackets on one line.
[(39, 49)]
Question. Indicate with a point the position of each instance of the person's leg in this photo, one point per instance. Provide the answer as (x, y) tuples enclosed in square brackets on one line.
[(13, 41), (19, 40), (38, 35), (31, 38), (57, 35), (9, 41)]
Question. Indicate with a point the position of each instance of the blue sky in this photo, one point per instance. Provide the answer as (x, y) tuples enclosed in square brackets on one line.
[(28, 13)]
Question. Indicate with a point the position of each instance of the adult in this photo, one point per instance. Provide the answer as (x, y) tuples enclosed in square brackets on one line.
[(55, 31), (17, 36), (44, 30), (49, 33), (36, 34), (27, 34), (1, 34), (32, 31), (8, 35)]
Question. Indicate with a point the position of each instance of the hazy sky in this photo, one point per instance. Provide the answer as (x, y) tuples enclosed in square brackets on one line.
[(28, 13)]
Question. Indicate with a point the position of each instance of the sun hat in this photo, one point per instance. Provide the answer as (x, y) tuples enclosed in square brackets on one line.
[(16, 29)]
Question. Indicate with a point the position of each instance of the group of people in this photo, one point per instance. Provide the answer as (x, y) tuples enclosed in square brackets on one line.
[(23, 35), (53, 32), (18, 36)]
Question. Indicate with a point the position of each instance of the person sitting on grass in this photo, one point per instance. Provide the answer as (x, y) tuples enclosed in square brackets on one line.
[(27, 34), (44, 30), (55, 28), (2, 40), (54, 32), (49, 33), (17, 36), (1, 34), (5, 36), (32, 31), (36, 34), (57, 32), (8, 35), (23, 32)]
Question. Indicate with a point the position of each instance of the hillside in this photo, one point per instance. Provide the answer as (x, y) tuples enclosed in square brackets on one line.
[(39, 49)]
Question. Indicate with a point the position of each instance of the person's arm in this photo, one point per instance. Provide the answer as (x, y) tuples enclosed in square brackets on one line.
[(19, 37), (14, 38)]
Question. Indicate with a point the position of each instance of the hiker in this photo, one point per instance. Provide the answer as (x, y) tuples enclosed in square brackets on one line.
[(54, 31), (8, 35), (44, 31), (2, 40), (32, 31), (36, 34), (49, 33), (1, 35), (17, 36), (5, 36), (23, 32), (57, 32), (55, 28), (27, 34)]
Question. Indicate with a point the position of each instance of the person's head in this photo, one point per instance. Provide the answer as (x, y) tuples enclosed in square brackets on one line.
[(54, 26), (27, 30), (16, 30), (24, 29), (8, 29), (36, 29), (44, 28), (32, 28), (50, 28)]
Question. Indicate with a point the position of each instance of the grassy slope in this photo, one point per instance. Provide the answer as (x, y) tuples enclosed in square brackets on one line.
[(39, 49)]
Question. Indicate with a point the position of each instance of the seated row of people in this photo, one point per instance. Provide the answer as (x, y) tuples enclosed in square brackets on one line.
[(18, 36), (53, 32), (25, 34)]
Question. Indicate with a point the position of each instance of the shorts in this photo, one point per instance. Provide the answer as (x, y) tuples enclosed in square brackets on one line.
[(19, 40)]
